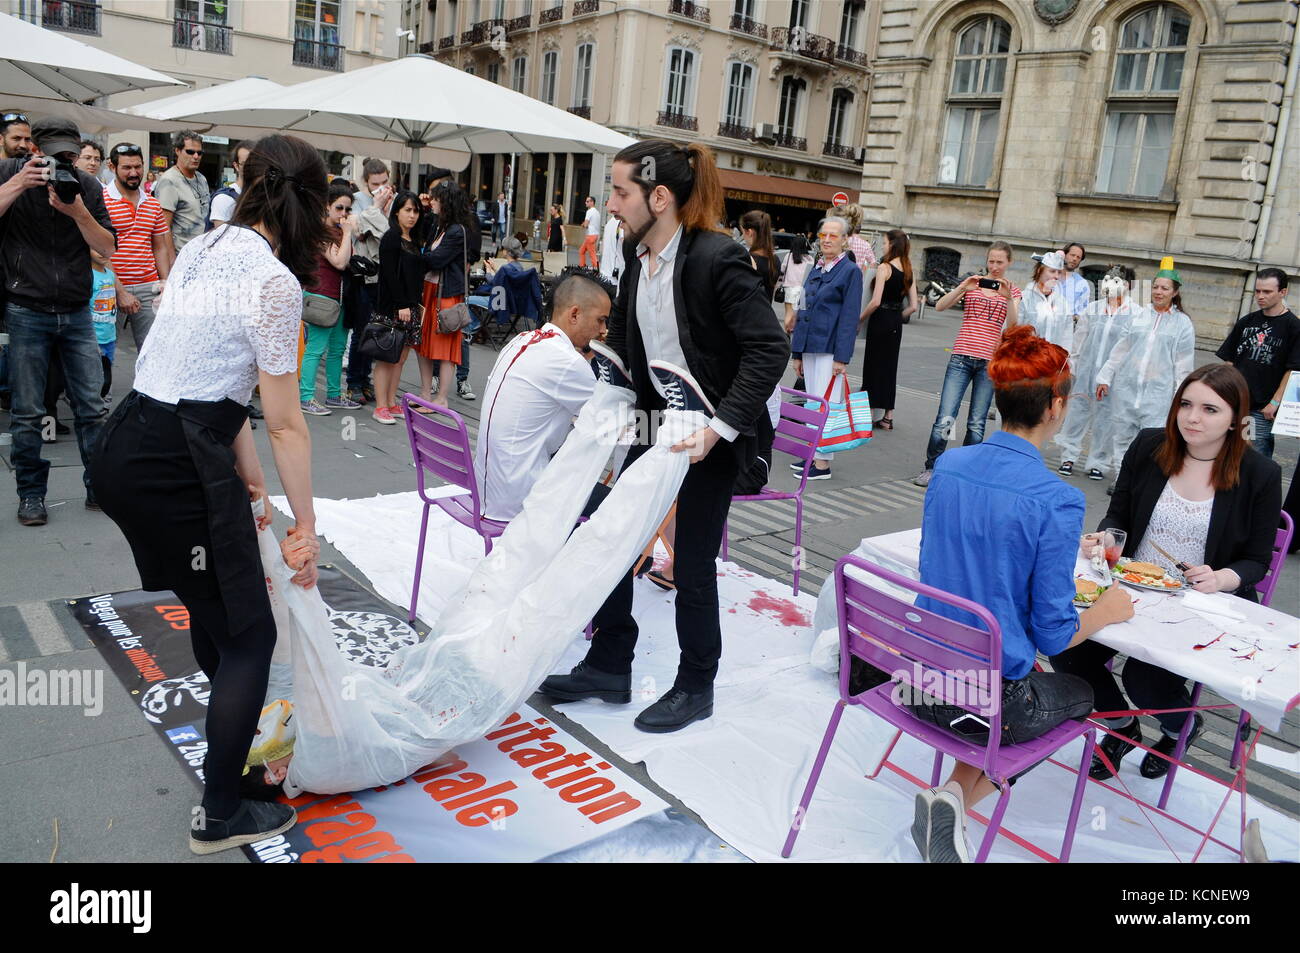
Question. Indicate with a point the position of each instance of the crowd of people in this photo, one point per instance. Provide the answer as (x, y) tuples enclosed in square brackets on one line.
[(258, 285)]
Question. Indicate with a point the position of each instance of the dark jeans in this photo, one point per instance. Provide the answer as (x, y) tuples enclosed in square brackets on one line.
[(359, 365), (32, 336), (1146, 684), (962, 372), (1263, 434), (702, 506), (1031, 706)]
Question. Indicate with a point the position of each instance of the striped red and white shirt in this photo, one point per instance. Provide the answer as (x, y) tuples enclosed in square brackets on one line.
[(981, 324), (135, 226)]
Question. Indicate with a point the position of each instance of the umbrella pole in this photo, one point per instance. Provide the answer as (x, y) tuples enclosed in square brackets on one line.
[(413, 177)]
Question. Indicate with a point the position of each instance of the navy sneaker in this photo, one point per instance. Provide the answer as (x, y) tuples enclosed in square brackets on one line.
[(814, 473), (680, 389), (609, 367)]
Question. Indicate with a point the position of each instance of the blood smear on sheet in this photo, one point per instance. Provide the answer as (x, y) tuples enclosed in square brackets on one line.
[(785, 611)]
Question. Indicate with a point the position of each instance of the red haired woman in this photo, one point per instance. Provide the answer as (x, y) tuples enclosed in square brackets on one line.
[(1000, 529)]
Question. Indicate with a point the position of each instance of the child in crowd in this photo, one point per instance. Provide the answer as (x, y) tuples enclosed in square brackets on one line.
[(103, 310)]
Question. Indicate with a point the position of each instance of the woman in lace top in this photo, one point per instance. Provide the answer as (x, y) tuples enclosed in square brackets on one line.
[(177, 466), (1198, 489)]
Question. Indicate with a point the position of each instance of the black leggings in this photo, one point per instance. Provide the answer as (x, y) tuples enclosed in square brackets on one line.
[(237, 668)]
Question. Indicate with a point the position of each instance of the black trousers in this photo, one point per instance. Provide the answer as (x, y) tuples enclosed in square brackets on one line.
[(702, 506), (1149, 686)]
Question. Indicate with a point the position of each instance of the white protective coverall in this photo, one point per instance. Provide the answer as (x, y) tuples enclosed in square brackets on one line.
[(1100, 325)]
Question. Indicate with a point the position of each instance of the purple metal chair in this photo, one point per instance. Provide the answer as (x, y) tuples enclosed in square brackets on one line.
[(898, 637), (797, 433), (1281, 543), (441, 448)]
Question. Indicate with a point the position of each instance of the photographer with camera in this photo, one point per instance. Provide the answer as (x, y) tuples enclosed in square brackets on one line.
[(53, 216)]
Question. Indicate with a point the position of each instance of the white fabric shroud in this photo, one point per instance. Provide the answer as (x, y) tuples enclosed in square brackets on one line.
[(359, 726)]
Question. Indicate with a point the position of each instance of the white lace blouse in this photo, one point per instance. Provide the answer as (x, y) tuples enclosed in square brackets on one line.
[(1178, 525), (229, 309)]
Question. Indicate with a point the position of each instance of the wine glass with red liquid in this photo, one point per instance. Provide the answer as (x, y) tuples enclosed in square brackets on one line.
[(1113, 540)]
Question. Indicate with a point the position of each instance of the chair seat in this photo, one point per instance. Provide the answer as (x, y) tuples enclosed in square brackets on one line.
[(456, 509), (1011, 759)]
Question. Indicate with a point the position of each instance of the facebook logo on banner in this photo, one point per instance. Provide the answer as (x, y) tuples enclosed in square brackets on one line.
[(184, 733)]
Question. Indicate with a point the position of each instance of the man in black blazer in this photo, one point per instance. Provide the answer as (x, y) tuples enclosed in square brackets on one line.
[(690, 297)]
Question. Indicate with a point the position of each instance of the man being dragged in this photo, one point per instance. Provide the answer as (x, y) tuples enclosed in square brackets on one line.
[(537, 387)]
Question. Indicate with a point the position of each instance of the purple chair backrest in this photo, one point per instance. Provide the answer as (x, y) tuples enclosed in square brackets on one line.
[(441, 448), (800, 427), (1281, 543), (956, 664)]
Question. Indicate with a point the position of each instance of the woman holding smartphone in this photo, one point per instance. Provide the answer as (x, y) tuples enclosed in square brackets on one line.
[(177, 467)]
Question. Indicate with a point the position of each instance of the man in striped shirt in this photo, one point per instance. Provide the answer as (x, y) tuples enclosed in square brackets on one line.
[(987, 312), (144, 248)]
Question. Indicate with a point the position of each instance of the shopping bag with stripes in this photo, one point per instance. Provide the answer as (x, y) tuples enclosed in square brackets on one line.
[(849, 423)]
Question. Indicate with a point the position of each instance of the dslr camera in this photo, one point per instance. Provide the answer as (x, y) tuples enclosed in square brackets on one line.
[(60, 174)]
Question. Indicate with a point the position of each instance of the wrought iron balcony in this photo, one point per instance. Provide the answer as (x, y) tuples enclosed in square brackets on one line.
[(583, 111), (483, 32), (447, 42), (519, 23), (838, 151), (551, 15), (744, 24), (426, 46), (583, 7), (731, 130), (318, 55), (790, 141), (677, 120), (71, 17), (848, 54), (819, 49), (689, 9), (196, 35)]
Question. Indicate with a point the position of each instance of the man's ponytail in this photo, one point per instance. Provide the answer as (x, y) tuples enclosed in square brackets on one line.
[(690, 173)]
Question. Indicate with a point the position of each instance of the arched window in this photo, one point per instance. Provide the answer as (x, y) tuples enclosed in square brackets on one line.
[(679, 82), (519, 74), (582, 75), (979, 76), (837, 131), (546, 84), (738, 102), (1143, 99), (789, 116)]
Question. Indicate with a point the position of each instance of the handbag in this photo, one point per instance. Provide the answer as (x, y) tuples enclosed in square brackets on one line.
[(320, 311), (849, 424), (383, 338), (779, 295), (456, 318), (359, 266)]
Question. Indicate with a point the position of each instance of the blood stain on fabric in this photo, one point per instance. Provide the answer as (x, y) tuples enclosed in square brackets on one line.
[(1206, 645), (785, 611)]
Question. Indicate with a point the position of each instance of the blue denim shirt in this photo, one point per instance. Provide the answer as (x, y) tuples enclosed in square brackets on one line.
[(828, 316), (1002, 530)]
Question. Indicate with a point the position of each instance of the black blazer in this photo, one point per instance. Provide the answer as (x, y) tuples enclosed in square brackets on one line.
[(1243, 521), (734, 347)]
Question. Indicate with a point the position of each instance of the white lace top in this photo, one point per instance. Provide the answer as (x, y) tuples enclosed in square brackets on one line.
[(1178, 525), (229, 309)]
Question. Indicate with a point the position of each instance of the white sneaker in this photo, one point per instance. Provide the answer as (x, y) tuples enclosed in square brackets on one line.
[(463, 391), (947, 842), (923, 478)]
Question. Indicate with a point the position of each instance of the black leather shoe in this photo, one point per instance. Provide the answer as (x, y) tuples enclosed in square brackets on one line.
[(1115, 750), (587, 682), (252, 821), (31, 511), (676, 710), (1153, 767)]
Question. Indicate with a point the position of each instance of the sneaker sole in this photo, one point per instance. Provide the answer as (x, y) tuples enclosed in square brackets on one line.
[(32, 522), (947, 839), (665, 729), (818, 476), (921, 826), (614, 698), (239, 840), (1099, 476), (317, 413)]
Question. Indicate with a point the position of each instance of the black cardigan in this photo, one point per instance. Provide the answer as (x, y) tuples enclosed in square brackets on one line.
[(401, 274), (1243, 521), (733, 344), (450, 260)]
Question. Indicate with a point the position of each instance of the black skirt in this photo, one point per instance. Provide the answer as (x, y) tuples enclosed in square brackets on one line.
[(880, 362), (166, 476)]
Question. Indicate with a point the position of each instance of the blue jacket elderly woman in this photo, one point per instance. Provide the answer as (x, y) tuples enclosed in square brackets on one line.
[(827, 325)]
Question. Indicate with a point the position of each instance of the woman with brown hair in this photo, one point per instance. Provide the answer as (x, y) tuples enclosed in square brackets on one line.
[(756, 230), (1197, 489), (885, 313), (455, 244)]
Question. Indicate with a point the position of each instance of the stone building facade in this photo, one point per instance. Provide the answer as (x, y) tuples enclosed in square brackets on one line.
[(1137, 128)]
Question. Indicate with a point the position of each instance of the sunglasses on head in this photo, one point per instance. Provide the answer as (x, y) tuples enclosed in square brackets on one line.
[(126, 149), (192, 152), (7, 118)]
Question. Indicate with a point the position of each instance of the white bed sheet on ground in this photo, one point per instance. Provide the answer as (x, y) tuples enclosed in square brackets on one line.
[(743, 770)]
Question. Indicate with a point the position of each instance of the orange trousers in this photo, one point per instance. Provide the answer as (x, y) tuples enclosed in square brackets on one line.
[(588, 248)]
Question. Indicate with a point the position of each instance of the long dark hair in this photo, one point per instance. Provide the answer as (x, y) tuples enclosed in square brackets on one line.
[(799, 249), (689, 172), (454, 209), (421, 227), (900, 250), (285, 190), (1226, 381)]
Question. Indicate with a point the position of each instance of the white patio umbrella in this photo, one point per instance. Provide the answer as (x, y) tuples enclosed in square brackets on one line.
[(420, 103), (47, 65), (224, 97)]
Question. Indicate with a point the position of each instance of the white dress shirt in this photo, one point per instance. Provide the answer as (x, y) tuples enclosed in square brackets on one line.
[(536, 388), (656, 315)]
